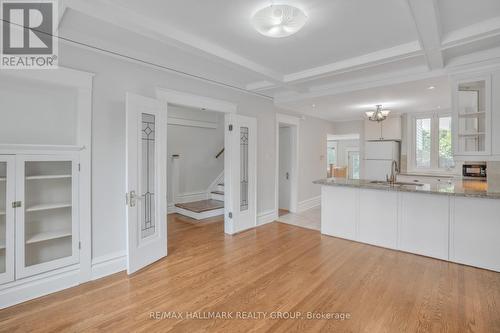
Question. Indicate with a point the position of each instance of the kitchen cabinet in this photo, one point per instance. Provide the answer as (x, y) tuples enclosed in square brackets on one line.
[(344, 212), (389, 129), (378, 229), (424, 231), (475, 230)]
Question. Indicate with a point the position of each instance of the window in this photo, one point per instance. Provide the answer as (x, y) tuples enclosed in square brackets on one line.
[(432, 142), (332, 152), (353, 163)]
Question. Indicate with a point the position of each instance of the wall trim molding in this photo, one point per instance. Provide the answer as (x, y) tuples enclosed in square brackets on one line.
[(267, 217), (39, 285), (195, 101), (309, 203), (191, 123), (109, 264)]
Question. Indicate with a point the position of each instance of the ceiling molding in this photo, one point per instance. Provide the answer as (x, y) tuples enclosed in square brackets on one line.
[(165, 33), (426, 17), (413, 74), (260, 85), (395, 53), (472, 33)]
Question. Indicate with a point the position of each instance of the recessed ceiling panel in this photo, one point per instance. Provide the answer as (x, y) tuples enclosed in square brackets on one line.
[(335, 29), (457, 14)]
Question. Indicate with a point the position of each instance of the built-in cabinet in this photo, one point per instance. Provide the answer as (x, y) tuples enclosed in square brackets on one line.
[(459, 229), (39, 229), (476, 116), (389, 129)]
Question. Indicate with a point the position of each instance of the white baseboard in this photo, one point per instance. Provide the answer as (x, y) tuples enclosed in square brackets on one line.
[(200, 216), (108, 264), (171, 208), (267, 217), (309, 203), (27, 289), (190, 197)]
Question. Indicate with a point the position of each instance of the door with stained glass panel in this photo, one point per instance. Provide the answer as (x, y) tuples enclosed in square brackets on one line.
[(146, 171), (240, 173), (7, 198)]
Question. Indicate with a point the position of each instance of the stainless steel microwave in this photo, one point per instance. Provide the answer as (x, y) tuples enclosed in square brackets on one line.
[(474, 170)]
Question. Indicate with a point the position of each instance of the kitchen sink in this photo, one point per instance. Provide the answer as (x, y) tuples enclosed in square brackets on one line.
[(383, 182)]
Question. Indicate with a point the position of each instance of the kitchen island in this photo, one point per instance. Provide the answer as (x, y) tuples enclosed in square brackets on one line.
[(457, 221)]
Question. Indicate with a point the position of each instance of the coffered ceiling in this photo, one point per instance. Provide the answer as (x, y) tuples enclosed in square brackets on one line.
[(345, 46)]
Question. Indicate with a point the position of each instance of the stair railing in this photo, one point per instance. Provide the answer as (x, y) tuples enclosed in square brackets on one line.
[(220, 153)]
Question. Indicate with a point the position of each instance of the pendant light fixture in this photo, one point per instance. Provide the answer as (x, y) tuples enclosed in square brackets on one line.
[(378, 115)]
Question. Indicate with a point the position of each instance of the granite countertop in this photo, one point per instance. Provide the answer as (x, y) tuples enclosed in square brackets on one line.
[(462, 188)]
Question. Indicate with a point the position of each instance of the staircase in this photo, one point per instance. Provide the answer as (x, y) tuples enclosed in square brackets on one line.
[(199, 210)]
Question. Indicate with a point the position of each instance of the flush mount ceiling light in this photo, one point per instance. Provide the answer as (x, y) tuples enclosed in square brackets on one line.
[(279, 20), (378, 115)]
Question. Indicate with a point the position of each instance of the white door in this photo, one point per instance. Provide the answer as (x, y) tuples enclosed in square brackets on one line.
[(146, 181), (7, 198), (240, 173), (285, 163)]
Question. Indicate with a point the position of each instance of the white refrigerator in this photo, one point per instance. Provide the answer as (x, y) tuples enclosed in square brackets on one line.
[(378, 158)]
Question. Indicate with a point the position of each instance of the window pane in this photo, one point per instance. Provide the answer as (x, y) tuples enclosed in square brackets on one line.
[(423, 143), (445, 151), (353, 164)]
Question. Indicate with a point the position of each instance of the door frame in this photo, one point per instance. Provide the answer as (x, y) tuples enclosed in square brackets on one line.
[(203, 103), (294, 123)]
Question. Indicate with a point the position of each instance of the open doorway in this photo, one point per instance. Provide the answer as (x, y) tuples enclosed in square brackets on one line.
[(195, 150), (343, 156), (287, 131)]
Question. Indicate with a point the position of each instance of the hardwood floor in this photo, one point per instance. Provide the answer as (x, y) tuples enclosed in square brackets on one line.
[(276, 267)]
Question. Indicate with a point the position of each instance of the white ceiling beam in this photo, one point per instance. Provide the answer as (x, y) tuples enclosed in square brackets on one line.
[(160, 31), (472, 33), (414, 74), (427, 22), (391, 54)]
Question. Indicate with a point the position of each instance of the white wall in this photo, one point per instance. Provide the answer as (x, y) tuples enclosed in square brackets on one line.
[(313, 134), (113, 78), (36, 114), (197, 148)]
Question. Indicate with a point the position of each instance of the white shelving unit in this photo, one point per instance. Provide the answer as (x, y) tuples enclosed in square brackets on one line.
[(45, 197)]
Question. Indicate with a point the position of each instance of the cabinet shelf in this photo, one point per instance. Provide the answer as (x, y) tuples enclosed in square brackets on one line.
[(472, 134), (43, 177), (2, 179), (472, 115), (2, 245), (2, 212), (47, 235), (36, 208)]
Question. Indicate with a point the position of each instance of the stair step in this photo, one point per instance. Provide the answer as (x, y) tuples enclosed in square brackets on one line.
[(201, 206), (218, 192)]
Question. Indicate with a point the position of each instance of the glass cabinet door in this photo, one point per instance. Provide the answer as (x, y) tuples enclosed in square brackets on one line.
[(472, 112), (47, 234), (7, 190)]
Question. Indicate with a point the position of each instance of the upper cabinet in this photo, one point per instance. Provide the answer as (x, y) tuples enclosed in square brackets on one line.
[(476, 116), (472, 116), (389, 129)]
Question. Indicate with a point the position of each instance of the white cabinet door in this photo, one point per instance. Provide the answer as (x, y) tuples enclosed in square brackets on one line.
[(424, 224), (373, 130), (378, 218), (47, 220), (381, 150), (475, 231), (391, 128), (7, 198), (338, 211), (495, 115)]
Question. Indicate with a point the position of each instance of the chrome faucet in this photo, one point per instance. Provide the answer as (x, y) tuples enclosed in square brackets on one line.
[(394, 172)]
